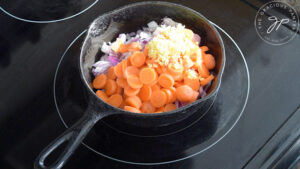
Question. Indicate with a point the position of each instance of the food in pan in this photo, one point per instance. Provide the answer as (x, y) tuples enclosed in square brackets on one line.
[(157, 69)]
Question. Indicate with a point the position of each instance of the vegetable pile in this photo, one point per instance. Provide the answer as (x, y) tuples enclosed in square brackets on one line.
[(157, 69)]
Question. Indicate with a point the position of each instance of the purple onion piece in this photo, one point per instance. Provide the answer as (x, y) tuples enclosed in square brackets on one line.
[(197, 38), (176, 103), (131, 34), (113, 59), (181, 104), (100, 67)]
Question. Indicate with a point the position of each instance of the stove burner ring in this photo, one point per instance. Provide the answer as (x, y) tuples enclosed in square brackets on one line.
[(47, 21), (178, 159)]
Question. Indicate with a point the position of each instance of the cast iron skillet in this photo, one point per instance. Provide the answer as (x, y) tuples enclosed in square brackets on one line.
[(105, 28)]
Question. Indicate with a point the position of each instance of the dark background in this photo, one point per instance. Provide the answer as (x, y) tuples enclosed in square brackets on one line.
[(30, 52)]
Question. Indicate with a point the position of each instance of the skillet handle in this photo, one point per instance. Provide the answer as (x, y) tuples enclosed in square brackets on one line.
[(74, 135)]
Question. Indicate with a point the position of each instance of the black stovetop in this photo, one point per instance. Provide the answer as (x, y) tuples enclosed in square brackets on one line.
[(35, 34)]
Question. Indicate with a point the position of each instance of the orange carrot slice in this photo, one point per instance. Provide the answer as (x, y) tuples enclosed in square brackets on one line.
[(178, 77), (102, 95), (147, 75), (160, 110), (132, 109), (169, 107), (173, 98), (203, 71), (193, 83), (175, 69), (115, 100), (110, 87), (209, 61), (195, 97), (146, 49), (121, 82), (134, 46), (166, 80), (169, 94), (204, 48), (184, 93), (111, 73), (133, 101), (100, 81), (158, 98), (147, 108), (207, 80), (178, 84), (119, 90), (137, 59), (145, 93), (118, 70), (129, 91), (131, 70), (124, 64), (155, 87), (134, 82)]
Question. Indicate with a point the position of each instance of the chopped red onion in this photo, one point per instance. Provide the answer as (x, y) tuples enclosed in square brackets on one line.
[(196, 38), (113, 59), (100, 67)]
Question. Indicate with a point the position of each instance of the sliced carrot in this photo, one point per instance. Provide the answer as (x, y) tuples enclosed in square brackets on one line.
[(173, 98), (134, 46), (158, 98), (169, 107), (101, 94), (147, 108), (134, 82), (124, 65), (209, 61), (115, 100), (178, 77), (128, 61), (118, 70), (110, 87), (207, 80), (122, 104), (160, 110), (195, 97), (131, 70), (100, 81), (204, 48), (175, 69), (155, 87), (132, 109), (169, 94), (193, 83), (119, 90), (165, 80), (145, 93), (203, 71), (159, 70), (121, 82), (138, 59), (129, 91), (147, 75), (184, 93), (178, 84), (146, 50), (133, 101), (111, 73), (122, 48)]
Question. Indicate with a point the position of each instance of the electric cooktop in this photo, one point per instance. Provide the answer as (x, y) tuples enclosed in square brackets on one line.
[(253, 121)]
